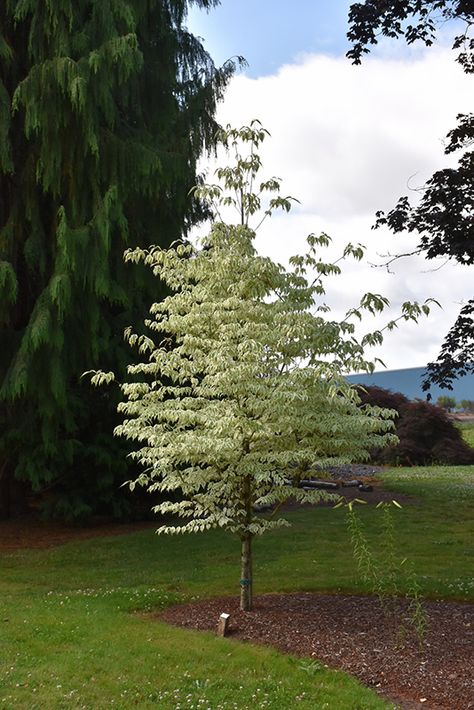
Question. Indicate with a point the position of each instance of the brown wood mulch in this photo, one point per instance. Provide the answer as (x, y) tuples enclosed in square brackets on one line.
[(355, 634), (30, 532)]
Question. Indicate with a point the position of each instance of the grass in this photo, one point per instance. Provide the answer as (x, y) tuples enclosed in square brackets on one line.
[(73, 634), (467, 429)]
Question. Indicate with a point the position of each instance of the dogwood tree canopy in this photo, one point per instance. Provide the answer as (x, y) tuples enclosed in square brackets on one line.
[(241, 386)]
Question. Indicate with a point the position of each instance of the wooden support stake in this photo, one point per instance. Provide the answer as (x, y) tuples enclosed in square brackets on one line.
[(223, 625)]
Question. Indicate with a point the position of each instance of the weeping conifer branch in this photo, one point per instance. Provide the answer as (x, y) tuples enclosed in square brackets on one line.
[(104, 111)]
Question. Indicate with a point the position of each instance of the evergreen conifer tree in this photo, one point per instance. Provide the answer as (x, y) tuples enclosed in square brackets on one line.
[(105, 106)]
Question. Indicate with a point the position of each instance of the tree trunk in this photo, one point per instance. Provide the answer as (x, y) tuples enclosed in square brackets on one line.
[(246, 572)]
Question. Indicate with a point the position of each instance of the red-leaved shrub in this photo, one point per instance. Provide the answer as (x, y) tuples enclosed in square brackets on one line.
[(427, 435)]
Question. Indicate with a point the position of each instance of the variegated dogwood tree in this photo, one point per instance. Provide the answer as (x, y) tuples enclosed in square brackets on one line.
[(241, 385)]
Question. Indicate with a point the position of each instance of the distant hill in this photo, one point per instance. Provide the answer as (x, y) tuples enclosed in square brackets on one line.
[(408, 382)]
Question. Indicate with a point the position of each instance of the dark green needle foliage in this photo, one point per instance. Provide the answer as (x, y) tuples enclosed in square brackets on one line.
[(105, 106)]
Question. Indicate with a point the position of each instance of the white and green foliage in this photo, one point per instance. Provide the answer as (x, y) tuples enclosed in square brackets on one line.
[(236, 387), (241, 388)]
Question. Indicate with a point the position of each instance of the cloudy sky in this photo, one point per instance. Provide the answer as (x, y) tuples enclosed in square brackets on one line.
[(346, 141)]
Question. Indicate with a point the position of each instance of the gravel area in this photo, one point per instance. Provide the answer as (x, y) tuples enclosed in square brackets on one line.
[(366, 474), (353, 470)]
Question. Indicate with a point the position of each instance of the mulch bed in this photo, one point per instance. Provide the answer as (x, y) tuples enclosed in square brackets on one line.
[(355, 634), (30, 532)]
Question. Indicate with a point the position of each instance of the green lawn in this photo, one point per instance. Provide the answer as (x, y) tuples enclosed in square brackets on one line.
[(467, 429), (71, 637)]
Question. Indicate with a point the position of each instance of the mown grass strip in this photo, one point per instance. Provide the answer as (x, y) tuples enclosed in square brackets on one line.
[(70, 637)]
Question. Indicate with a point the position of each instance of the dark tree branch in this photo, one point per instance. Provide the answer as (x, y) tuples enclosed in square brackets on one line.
[(443, 219)]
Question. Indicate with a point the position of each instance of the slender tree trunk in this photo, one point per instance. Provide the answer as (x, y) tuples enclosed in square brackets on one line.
[(246, 572), (246, 545)]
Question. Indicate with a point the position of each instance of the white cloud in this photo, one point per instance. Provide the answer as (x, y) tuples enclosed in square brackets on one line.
[(348, 141)]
